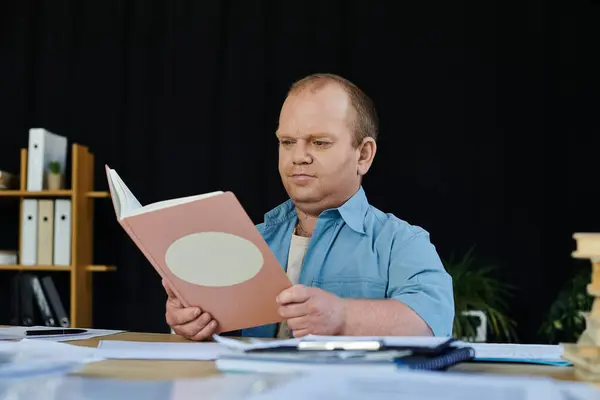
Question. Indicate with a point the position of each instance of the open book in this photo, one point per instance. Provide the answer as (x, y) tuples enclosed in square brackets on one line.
[(209, 251)]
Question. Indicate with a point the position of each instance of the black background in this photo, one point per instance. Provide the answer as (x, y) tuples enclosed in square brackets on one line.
[(489, 119)]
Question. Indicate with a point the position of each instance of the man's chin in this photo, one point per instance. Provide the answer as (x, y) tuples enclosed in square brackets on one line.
[(304, 195)]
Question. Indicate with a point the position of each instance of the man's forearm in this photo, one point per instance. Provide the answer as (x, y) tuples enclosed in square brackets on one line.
[(387, 317)]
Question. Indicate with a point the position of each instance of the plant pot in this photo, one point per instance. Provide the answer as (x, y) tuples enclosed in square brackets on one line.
[(55, 181)]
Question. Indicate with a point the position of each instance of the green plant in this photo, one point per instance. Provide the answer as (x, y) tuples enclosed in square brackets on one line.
[(54, 167), (476, 288), (564, 321)]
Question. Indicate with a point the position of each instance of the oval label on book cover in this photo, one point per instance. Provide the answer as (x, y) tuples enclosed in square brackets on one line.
[(214, 259)]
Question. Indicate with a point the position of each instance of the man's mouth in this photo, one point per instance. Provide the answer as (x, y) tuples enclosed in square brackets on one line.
[(302, 176)]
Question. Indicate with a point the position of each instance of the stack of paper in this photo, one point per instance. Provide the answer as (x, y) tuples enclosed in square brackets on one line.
[(520, 353), (223, 387), (30, 358)]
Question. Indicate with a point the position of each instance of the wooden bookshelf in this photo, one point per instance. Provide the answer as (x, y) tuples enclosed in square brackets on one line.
[(50, 193), (82, 197)]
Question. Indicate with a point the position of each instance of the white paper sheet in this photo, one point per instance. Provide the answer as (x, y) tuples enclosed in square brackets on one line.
[(223, 387), (27, 358), (18, 332), (117, 349), (538, 353), (409, 385)]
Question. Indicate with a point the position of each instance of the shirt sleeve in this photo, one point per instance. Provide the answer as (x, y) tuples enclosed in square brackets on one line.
[(418, 279)]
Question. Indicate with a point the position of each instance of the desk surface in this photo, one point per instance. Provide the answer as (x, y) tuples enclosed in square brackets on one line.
[(168, 369)]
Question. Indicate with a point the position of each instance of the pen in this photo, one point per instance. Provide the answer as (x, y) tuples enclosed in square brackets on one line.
[(48, 332)]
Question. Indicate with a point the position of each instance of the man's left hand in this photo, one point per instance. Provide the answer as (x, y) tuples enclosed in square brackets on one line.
[(310, 310)]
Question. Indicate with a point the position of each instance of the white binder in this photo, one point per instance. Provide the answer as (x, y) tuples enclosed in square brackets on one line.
[(44, 147), (29, 222), (62, 232)]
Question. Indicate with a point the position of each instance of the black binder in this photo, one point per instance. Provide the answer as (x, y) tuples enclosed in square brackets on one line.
[(40, 298), (54, 299)]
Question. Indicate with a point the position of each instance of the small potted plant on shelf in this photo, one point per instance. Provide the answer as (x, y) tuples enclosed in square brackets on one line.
[(55, 176)]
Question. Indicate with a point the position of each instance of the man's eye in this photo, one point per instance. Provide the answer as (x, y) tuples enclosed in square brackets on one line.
[(320, 143), (285, 142)]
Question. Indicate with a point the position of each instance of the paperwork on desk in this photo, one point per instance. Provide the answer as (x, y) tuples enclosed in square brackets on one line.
[(220, 387), (267, 387), (18, 332), (30, 358), (418, 385), (117, 349), (522, 353), (496, 352)]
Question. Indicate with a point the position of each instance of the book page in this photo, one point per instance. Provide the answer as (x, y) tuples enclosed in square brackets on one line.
[(127, 200), (169, 203), (128, 205)]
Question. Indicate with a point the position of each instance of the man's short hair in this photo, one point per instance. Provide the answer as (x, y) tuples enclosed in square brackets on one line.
[(366, 121)]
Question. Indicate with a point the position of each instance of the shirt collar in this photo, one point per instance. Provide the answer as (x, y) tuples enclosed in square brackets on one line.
[(353, 211)]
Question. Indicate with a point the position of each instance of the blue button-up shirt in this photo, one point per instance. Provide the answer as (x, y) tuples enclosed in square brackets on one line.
[(357, 251)]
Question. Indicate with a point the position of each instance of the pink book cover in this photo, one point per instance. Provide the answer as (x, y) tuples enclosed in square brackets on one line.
[(213, 257)]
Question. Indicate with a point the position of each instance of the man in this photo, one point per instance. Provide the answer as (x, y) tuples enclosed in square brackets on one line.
[(355, 269)]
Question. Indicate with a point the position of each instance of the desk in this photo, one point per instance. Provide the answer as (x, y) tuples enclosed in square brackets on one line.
[(170, 369)]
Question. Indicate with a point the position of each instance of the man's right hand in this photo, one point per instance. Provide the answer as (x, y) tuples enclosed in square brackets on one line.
[(189, 322)]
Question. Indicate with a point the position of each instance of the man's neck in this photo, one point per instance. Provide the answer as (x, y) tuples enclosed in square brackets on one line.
[(314, 209), (306, 224), (309, 213)]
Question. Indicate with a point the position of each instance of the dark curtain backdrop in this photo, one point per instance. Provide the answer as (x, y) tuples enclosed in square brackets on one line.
[(489, 119)]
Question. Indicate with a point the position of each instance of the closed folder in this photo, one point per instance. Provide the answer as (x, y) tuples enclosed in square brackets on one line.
[(62, 232), (45, 230), (29, 232), (43, 148)]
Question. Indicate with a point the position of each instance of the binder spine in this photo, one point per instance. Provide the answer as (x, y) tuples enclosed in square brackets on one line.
[(42, 302), (56, 303)]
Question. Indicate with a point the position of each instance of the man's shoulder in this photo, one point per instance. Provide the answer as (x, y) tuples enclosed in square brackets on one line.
[(388, 224)]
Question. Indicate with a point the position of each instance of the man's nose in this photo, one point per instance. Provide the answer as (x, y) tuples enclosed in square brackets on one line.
[(301, 154)]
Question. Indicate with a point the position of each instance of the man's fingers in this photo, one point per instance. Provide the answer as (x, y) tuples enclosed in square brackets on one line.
[(295, 294), (182, 316), (206, 332), (300, 332), (192, 328), (293, 310), (168, 289), (173, 302), (298, 323)]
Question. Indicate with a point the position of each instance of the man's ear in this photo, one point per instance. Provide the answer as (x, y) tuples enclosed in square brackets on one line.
[(365, 155)]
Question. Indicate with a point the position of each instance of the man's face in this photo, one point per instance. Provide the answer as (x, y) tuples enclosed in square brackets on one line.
[(317, 162)]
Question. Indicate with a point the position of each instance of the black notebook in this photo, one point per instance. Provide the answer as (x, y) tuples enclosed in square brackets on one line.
[(446, 358)]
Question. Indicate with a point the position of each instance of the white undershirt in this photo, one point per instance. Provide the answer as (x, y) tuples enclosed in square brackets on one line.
[(294, 266)]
